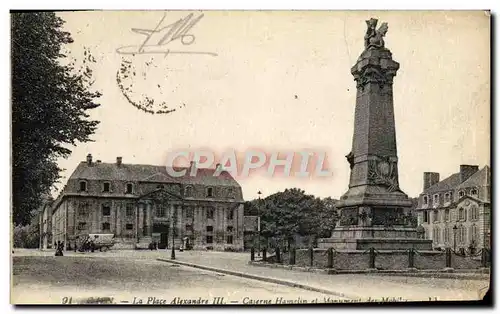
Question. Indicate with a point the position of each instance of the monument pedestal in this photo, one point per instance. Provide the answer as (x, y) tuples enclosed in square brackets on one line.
[(374, 212)]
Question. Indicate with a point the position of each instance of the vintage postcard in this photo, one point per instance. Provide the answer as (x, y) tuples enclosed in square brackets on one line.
[(250, 157)]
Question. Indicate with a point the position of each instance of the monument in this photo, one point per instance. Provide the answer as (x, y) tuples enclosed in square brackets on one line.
[(374, 212)]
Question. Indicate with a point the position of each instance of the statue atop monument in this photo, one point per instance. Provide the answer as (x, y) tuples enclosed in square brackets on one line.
[(375, 38)]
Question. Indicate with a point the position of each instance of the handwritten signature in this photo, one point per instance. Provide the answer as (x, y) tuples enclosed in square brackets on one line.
[(158, 38)]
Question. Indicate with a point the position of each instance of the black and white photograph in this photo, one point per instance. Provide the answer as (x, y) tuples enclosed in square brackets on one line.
[(250, 157)]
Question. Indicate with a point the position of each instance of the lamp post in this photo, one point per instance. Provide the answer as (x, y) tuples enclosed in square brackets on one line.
[(258, 224), (174, 218), (455, 238)]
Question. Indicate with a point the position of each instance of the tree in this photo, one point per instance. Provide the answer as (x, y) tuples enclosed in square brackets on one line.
[(50, 104)]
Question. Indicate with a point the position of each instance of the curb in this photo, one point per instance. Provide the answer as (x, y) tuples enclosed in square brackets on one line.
[(260, 278)]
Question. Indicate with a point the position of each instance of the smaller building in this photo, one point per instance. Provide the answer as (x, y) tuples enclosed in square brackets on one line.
[(455, 212)]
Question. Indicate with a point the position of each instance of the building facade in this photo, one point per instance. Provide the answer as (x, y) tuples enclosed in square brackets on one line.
[(455, 212), (142, 204), (45, 223)]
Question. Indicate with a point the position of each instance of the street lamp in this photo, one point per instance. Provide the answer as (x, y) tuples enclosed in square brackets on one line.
[(258, 224), (455, 238), (174, 218)]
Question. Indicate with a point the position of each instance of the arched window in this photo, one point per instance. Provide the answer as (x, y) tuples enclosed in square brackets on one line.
[(461, 194), (447, 197), (473, 192), (425, 200), (129, 188), (474, 212), (435, 199), (188, 191)]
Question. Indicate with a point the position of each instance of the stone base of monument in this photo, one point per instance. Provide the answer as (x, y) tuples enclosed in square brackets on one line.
[(376, 243), (380, 238)]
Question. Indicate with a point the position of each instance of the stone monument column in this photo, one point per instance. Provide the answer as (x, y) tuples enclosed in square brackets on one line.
[(374, 212)]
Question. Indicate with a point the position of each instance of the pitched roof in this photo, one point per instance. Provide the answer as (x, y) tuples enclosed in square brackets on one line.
[(479, 178), (149, 173), (447, 184)]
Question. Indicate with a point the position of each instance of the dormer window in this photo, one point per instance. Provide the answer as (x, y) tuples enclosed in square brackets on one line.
[(106, 187), (230, 192), (188, 192), (426, 200), (447, 197), (129, 188), (83, 186), (473, 192), (210, 192), (435, 199), (461, 194)]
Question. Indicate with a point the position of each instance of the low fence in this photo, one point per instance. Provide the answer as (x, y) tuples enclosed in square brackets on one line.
[(374, 259)]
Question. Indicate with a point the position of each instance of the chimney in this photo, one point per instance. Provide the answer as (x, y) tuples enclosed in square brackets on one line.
[(430, 178), (89, 159), (466, 171), (98, 161), (192, 165), (218, 167), (118, 161)]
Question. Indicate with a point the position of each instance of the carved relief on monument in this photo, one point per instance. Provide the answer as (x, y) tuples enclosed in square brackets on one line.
[(384, 171), (389, 217), (349, 217)]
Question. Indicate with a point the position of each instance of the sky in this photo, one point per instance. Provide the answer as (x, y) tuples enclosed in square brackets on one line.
[(280, 81)]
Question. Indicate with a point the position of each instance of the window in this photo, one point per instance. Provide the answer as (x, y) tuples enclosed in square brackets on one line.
[(83, 186), (461, 194), (210, 228), (230, 214), (189, 212), (447, 197), (435, 235), (189, 227), (129, 188), (129, 226), (189, 191), (446, 215), (229, 228), (106, 226), (159, 186), (129, 210), (462, 234), (474, 212), (230, 192), (426, 200), (82, 225), (461, 214), (82, 210), (106, 187), (229, 239), (473, 233), (160, 211), (435, 200), (426, 217), (210, 192), (436, 216), (210, 239), (473, 192), (446, 235), (106, 210), (210, 213)]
